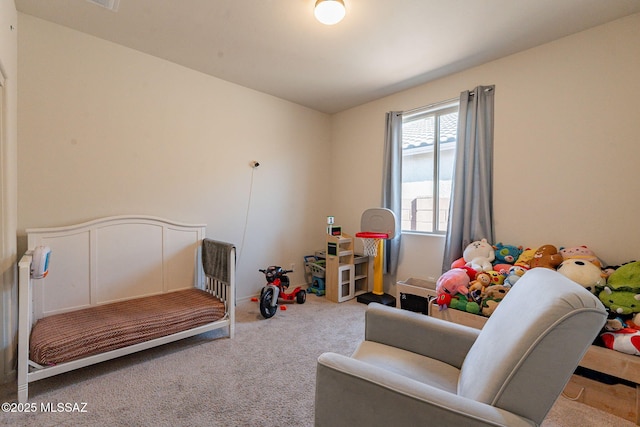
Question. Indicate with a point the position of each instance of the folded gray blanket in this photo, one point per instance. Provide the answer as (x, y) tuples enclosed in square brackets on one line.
[(215, 259)]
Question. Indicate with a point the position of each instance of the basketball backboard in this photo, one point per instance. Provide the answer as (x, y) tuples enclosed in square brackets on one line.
[(379, 220)]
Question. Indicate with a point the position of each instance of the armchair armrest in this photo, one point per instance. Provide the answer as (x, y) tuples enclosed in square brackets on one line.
[(435, 338), (349, 392)]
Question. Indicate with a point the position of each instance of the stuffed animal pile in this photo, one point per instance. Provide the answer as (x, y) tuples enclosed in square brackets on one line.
[(621, 296), (480, 279)]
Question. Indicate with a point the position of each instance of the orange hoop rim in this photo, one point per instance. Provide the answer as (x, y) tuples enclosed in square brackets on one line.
[(372, 235)]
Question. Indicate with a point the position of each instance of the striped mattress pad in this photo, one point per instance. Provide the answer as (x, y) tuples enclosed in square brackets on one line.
[(68, 336)]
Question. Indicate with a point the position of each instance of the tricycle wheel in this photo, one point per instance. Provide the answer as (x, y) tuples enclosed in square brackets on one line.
[(266, 309), (301, 297)]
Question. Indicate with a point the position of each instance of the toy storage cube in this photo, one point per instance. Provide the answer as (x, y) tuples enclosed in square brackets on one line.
[(414, 303), (416, 295)]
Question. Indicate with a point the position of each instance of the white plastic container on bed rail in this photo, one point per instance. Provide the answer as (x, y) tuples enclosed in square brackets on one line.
[(40, 262)]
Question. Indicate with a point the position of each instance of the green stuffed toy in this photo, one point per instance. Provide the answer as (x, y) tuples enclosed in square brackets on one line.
[(621, 295), (620, 302), (462, 303)]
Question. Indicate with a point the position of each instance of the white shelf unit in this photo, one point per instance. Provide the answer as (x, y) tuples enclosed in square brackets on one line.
[(340, 269)]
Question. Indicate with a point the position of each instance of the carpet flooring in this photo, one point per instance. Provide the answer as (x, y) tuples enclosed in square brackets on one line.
[(265, 376)]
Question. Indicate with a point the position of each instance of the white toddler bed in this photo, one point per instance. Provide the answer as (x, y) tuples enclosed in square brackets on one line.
[(116, 286)]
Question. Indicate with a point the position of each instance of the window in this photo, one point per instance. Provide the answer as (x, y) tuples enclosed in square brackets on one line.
[(428, 154)]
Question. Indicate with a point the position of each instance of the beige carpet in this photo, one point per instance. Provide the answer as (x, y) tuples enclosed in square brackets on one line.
[(263, 377)]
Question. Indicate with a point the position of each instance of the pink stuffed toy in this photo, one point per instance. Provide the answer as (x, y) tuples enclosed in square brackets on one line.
[(582, 253), (460, 262), (453, 282)]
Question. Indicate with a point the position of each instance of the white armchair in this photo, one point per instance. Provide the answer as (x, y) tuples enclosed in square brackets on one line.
[(415, 370)]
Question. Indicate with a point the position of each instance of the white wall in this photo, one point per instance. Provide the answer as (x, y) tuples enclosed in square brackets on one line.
[(567, 144), (106, 130), (8, 186)]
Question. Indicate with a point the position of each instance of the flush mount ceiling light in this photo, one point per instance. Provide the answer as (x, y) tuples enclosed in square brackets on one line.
[(329, 12)]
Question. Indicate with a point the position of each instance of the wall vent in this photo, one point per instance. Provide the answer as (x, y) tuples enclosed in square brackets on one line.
[(107, 4)]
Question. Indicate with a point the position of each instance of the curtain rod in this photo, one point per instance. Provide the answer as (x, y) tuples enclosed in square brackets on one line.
[(428, 107), (486, 89), (438, 104)]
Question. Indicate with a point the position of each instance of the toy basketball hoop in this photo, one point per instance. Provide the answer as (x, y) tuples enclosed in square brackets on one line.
[(370, 241), (380, 224)]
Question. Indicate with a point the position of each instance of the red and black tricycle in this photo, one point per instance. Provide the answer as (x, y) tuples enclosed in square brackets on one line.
[(277, 284)]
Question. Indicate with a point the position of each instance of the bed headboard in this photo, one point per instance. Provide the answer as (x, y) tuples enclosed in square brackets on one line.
[(115, 258)]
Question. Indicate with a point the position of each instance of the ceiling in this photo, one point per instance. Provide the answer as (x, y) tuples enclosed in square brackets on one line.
[(381, 47)]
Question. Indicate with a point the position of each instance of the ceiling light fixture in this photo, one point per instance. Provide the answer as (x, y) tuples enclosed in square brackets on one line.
[(112, 5), (329, 12)]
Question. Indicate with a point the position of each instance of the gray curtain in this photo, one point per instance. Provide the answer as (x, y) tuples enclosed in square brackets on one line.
[(471, 206), (392, 185)]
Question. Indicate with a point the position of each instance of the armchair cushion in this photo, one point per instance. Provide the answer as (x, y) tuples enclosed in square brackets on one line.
[(436, 338), (411, 365)]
